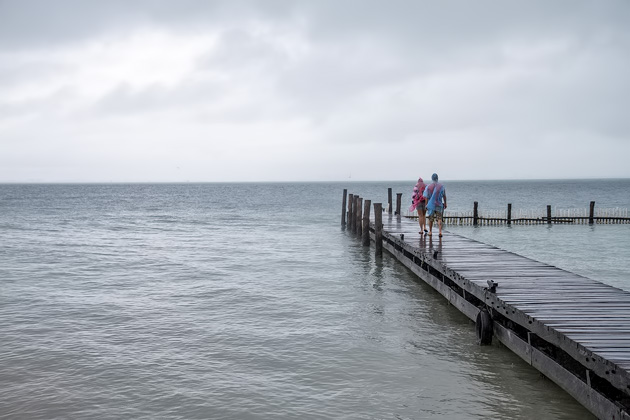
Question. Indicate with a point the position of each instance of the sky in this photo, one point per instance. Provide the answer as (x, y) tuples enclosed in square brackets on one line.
[(319, 90)]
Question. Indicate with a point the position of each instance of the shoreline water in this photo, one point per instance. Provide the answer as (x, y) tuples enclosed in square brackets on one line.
[(250, 300)]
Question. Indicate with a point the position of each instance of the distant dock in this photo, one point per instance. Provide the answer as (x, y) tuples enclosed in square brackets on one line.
[(589, 216), (574, 330)]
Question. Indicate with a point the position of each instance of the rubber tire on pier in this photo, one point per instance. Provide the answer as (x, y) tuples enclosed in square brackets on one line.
[(483, 326)]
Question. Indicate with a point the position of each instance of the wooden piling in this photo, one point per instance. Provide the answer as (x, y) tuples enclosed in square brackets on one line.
[(353, 220), (378, 229), (350, 201), (398, 203), (355, 202), (389, 201), (365, 240), (360, 217), (591, 213), (476, 214), (509, 214), (343, 207), (548, 214)]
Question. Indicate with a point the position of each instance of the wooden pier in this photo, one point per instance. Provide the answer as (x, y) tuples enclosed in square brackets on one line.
[(589, 216), (574, 330)]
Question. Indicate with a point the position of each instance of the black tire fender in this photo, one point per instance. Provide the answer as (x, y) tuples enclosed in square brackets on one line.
[(484, 328)]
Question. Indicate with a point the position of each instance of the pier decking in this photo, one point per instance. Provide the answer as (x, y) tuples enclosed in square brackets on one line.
[(573, 329)]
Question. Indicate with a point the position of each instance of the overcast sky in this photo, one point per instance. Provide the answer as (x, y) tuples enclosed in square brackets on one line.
[(314, 90)]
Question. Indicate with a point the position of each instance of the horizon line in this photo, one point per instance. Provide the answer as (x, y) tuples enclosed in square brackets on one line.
[(34, 182)]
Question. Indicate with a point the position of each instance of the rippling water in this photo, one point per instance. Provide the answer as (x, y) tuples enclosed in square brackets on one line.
[(241, 301)]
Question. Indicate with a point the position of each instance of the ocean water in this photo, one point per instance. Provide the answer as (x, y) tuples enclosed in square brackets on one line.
[(249, 301)]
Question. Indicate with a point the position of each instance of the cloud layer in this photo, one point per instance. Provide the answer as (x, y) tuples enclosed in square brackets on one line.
[(302, 90)]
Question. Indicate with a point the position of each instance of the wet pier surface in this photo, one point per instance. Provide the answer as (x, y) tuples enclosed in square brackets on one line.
[(574, 329)]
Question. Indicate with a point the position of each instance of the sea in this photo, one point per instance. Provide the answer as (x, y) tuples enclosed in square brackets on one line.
[(251, 301)]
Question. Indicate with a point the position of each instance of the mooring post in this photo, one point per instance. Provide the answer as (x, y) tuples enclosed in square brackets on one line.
[(548, 214), (475, 214), (509, 214), (378, 229), (343, 207), (350, 201), (360, 217), (365, 240), (398, 203), (389, 201), (591, 214)]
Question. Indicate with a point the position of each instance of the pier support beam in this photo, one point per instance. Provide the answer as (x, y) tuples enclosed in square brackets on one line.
[(365, 240), (398, 203), (591, 213), (476, 214), (548, 214), (389, 201), (509, 214)]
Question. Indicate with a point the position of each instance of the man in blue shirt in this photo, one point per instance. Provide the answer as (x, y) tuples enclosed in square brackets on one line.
[(436, 203)]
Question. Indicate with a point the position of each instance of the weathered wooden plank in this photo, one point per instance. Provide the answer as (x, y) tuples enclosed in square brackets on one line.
[(577, 309), (590, 343), (570, 301), (514, 291)]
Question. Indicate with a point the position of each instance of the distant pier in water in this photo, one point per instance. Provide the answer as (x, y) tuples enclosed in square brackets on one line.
[(591, 215), (574, 330)]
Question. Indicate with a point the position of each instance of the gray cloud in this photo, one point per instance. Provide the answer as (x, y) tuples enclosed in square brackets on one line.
[(41, 23), (324, 75), (433, 26), (125, 99)]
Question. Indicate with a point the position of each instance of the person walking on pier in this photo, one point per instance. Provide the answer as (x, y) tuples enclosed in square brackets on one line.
[(435, 196), (418, 202)]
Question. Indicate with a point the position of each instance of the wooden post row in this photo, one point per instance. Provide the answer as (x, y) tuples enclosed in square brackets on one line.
[(343, 207), (365, 240), (378, 229)]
